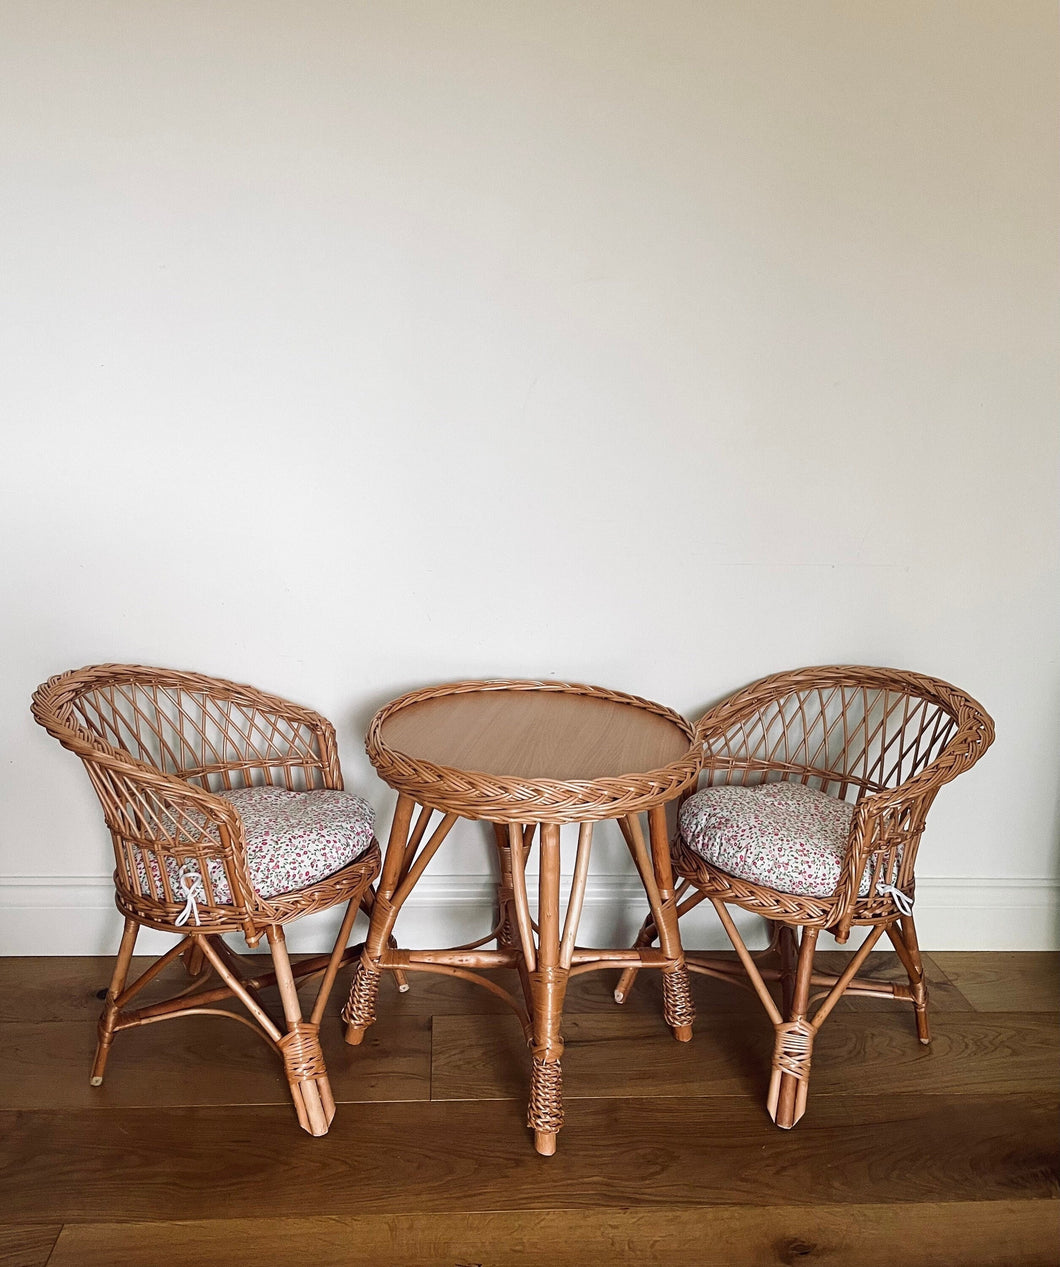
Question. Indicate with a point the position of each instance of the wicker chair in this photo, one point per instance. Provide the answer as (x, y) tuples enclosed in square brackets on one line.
[(881, 742), (163, 750)]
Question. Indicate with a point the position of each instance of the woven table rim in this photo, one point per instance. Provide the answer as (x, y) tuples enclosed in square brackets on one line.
[(476, 794)]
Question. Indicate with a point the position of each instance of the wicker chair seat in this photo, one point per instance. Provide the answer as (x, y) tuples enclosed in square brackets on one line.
[(293, 840), (784, 835)]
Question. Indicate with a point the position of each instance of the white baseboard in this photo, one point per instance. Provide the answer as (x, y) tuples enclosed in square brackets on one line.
[(75, 915)]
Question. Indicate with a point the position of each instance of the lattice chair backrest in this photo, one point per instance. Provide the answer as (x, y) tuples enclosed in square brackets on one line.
[(845, 731), (883, 738), (156, 744), (215, 734)]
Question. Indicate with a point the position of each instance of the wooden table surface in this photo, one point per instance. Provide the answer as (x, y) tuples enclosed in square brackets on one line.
[(528, 734)]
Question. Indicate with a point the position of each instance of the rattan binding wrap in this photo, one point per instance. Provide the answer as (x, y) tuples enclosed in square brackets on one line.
[(506, 799)]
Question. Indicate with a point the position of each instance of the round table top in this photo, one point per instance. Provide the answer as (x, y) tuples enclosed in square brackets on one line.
[(519, 751)]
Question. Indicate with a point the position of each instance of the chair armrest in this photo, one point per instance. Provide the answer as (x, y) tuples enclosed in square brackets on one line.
[(155, 817), (893, 820)]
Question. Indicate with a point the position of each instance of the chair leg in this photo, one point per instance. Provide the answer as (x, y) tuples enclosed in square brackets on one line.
[(784, 936), (548, 985), (194, 960), (110, 1009), (793, 1048), (903, 939), (303, 1058)]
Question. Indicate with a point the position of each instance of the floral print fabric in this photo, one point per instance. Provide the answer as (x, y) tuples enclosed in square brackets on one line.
[(784, 835), (294, 839)]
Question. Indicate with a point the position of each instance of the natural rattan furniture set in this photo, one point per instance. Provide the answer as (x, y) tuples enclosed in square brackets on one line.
[(227, 814)]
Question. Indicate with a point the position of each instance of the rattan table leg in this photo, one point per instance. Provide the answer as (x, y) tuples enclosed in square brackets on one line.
[(548, 985), (368, 905), (656, 874), (678, 1007), (507, 935), (359, 1011)]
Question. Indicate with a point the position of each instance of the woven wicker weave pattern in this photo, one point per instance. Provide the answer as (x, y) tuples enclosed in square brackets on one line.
[(504, 799), (887, 738)]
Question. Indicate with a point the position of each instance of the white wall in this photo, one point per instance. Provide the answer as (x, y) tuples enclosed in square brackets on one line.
[(354, 346)]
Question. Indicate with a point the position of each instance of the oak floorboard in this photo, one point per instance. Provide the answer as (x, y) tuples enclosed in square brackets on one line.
[(477, 1057), (458, 1156), (39, 988), (27, 1245), (1005, 981), (200, 1060), (967, 1234)]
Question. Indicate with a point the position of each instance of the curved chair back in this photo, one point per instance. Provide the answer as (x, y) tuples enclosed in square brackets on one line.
[(885, 738), (157, 745)]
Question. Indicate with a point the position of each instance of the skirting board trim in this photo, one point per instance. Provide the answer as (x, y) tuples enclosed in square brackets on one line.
[(75, 915)]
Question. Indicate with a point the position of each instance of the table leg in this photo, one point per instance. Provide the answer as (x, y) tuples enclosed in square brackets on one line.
[(406, 859), (359, 1011), (656, 873), (506, 932), (514, 842), (548, 985)]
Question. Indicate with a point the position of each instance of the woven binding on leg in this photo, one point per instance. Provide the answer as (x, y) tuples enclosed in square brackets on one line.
[(303, 1059), (545, 1111), (360, 1006), (506, 933), (678, 1008), (793, 1049)]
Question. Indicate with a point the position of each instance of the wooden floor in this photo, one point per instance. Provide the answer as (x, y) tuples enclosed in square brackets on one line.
[(190, 1154)]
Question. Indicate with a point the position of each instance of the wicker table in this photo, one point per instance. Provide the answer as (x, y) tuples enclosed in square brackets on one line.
[(528, 757)]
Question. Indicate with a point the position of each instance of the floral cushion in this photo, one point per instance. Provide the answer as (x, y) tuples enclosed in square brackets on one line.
[(784, 835), (293, 840)]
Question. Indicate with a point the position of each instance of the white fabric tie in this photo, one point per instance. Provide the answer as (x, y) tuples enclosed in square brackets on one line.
[(190, 880), (902, 900)]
